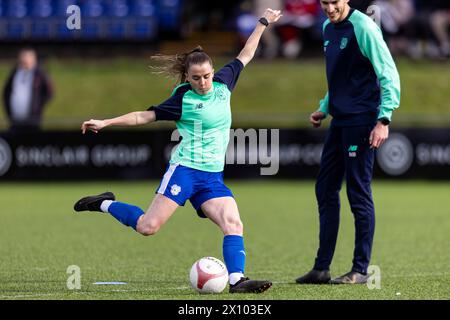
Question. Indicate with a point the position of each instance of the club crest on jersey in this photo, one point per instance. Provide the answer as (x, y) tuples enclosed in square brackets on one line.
[(344, 42), (325, 45), (220, 93), (175, 189)]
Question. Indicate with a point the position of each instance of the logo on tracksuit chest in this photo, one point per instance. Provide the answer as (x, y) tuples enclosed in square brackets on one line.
[(344, 42), (352, 151)]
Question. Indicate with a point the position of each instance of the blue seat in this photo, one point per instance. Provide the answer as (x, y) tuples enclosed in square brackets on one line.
[(92, 8), (40, 12), (169, 14), (60, 7), (144, 29), (62, 33), (16, 9), (16, 30), (41, 29), (59, 20), (92, 12), (117, 8), (16, 18), (41, 8), (143, 8), (92, 29), (116, 29)]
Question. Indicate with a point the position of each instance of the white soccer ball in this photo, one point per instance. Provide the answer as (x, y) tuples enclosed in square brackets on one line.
[(209, 275)]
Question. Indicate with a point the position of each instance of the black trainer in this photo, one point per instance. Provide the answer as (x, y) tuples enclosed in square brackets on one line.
[(315, 277), (92, 203), (351, 277), (245, 285)]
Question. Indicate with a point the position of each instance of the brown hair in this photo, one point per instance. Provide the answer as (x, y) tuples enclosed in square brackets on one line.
[(177, 65)]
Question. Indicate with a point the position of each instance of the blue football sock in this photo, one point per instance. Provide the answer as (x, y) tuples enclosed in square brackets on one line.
[(127, 214), (234, 253)]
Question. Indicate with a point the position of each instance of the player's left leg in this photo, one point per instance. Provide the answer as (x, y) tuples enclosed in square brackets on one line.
[(359, 167), (224, 212)]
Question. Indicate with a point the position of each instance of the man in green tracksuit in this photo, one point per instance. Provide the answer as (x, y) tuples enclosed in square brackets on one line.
[(363, 90)]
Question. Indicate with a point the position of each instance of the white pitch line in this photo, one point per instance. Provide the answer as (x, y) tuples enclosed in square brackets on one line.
[(91, 292), (27, 296)]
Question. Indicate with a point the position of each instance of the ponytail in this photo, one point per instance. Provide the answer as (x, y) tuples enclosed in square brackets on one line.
[(176, 66)]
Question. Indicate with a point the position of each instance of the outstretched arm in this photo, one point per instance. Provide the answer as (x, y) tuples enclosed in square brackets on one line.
[(247, 53), (130, 119)]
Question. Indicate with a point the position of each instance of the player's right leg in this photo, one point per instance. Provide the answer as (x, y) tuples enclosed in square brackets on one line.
[(174, 190), (160, 210), (148, 223), (126, 213)]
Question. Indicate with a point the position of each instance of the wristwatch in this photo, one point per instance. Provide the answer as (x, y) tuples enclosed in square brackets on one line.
[(264, 21), (384, 121)]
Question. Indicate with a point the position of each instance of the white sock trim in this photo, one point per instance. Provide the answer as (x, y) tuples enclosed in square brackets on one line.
[(235, 277), (105, 205)]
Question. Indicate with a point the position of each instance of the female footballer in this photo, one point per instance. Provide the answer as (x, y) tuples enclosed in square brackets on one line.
[(200, 107)]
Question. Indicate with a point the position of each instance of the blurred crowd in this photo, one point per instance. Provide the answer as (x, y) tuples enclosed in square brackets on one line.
[(416, 28)]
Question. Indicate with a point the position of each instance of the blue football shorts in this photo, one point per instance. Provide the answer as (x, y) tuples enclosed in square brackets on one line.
[(181, 183)]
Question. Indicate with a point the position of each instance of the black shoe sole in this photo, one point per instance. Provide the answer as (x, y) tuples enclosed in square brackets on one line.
[(260, 289), (345, 279), (264, 287), (83, 203), (340, 282)]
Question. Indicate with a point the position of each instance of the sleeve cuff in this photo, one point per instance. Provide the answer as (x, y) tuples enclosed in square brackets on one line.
[(323, 108), (385, 114), (153, 108)]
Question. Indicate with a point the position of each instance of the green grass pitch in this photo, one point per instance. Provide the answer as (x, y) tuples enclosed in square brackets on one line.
[(41, 235)]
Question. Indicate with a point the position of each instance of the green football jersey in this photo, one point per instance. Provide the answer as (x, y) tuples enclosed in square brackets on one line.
[(203, 121)]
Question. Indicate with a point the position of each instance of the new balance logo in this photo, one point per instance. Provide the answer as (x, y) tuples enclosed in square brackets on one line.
[(352, 151), (199, 106)]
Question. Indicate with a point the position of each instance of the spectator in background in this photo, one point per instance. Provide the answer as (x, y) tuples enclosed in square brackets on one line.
[(395, 16), (26, 92), (440, 23), (206, 15), (428, 31), (270, 40), (247, 19), (299, 17)]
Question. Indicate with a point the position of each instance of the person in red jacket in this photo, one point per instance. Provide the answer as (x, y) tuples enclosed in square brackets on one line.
[(300, 16)]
